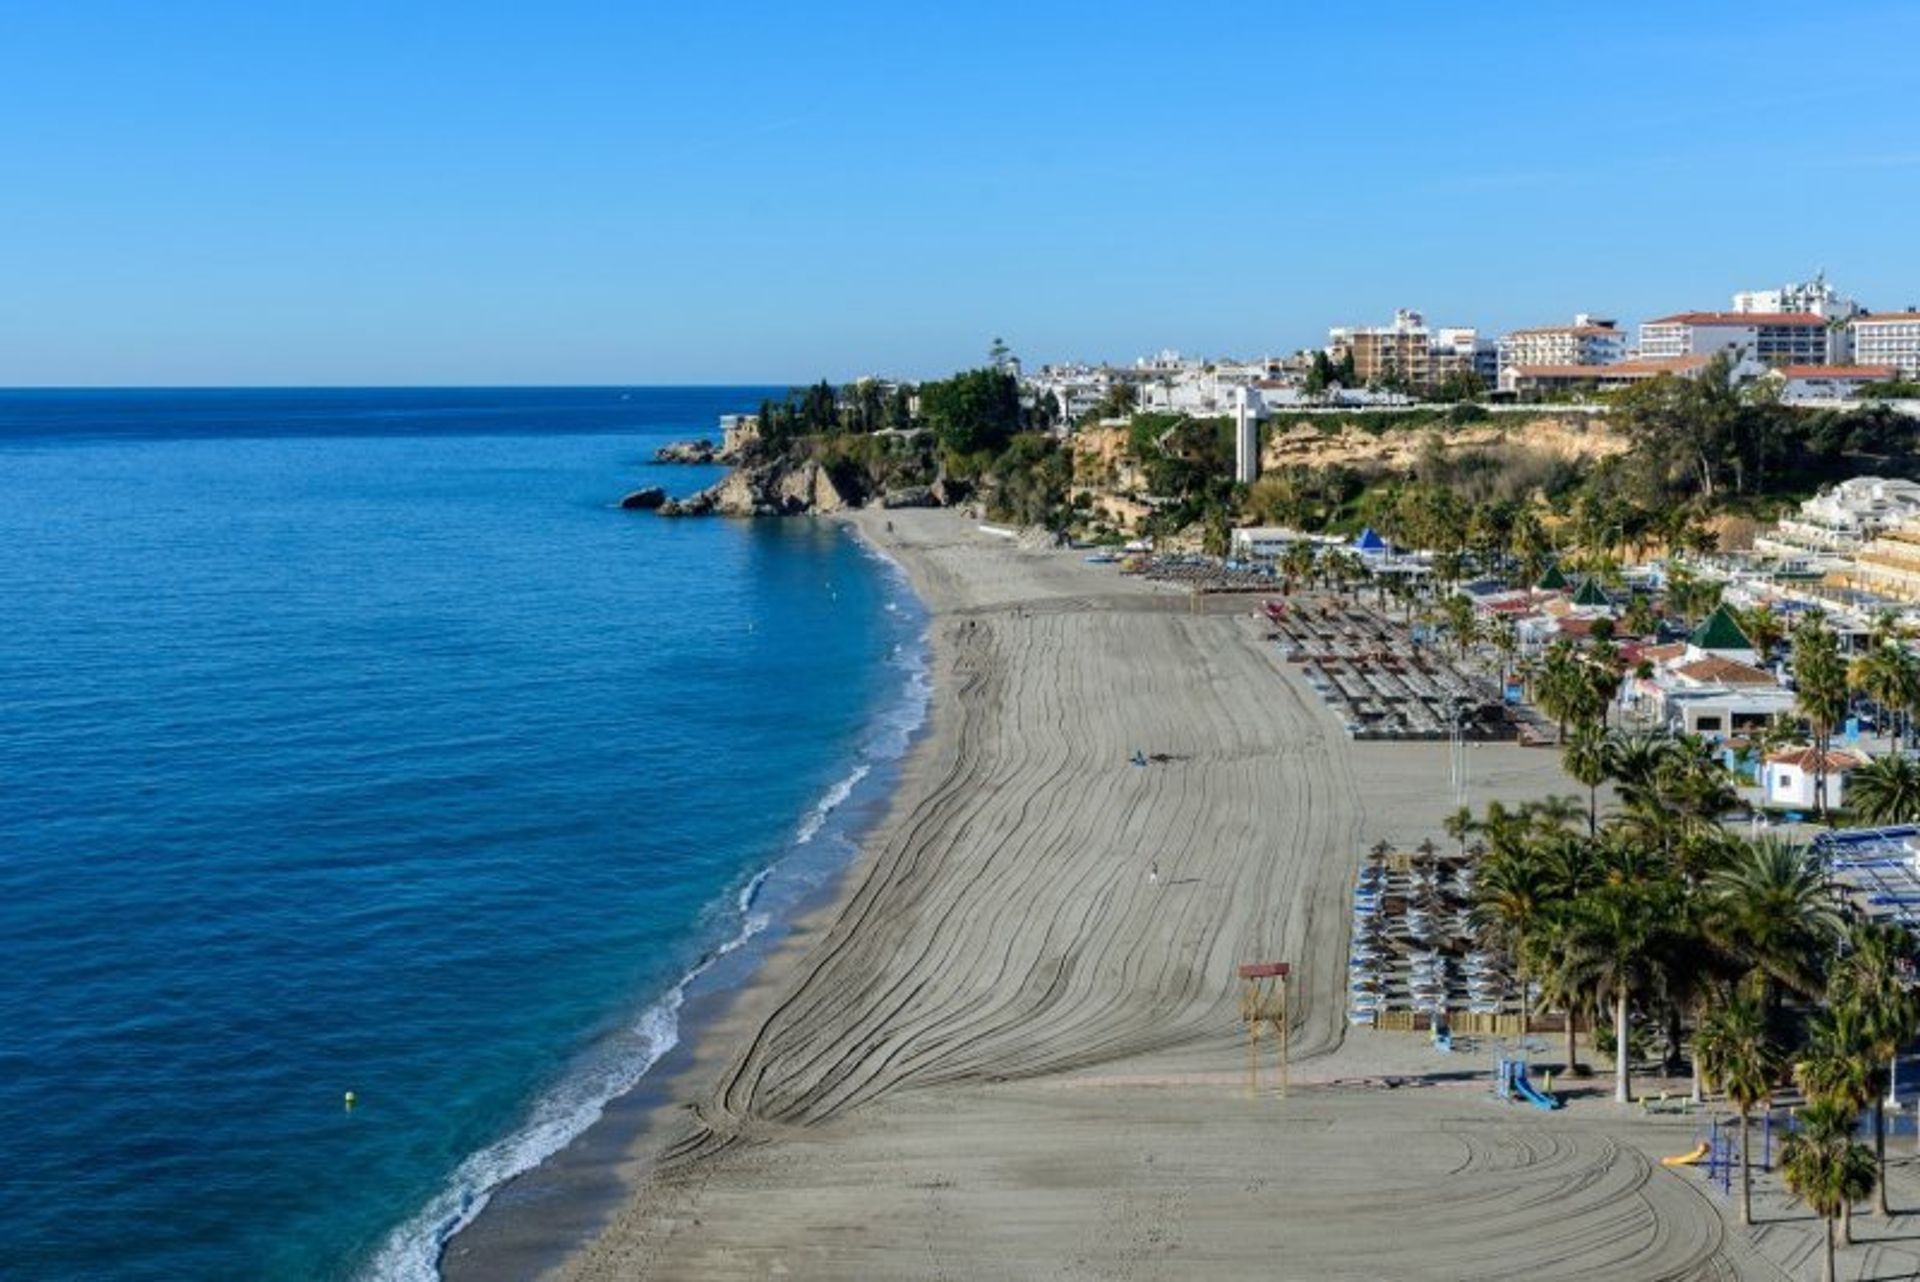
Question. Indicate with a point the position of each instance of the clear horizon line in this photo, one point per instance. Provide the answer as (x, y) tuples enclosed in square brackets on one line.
[(382, 387)]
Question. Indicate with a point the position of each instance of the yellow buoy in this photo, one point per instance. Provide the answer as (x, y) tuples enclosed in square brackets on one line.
[(350, 1099)]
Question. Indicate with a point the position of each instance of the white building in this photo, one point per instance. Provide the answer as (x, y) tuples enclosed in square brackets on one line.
[(1246, 436), (1167, 361), (1790, 778), (1814, 297), (1078, 388), (1772, 338), (1832, 526), (1890, 338), (1268, 542), (1588, 341)]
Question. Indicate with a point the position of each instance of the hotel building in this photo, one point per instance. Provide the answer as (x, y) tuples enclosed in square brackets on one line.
[(1772, 338), (1890, 338)]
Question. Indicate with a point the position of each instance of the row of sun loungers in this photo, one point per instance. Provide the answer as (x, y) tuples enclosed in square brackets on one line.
[(1365, 667), (1413, 943), (1208, 576)]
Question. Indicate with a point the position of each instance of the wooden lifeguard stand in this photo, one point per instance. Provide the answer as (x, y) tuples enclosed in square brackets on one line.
[(1263, 1005)]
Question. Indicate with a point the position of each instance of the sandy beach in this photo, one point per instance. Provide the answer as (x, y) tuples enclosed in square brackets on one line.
[(1007, 1050)]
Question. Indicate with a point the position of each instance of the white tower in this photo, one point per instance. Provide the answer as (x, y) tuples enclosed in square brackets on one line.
[(1246, 440)]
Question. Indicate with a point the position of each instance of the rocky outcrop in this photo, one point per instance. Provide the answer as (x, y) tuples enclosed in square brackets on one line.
[(695, 451), (910, 496), (645, 499), (768, 489)]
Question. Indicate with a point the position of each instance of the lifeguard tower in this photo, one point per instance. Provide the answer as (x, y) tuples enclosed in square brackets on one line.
[(1263, 1009)]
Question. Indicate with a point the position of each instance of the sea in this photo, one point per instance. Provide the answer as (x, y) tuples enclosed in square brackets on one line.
[(355, 742)]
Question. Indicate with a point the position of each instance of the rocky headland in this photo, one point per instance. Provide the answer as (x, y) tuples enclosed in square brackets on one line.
[(795, 481), (698, 450)]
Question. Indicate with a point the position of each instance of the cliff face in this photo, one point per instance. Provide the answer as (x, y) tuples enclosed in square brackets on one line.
[(1331, 443)]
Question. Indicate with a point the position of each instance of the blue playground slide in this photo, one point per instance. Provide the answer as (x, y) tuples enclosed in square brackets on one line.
[(1532, 1094)]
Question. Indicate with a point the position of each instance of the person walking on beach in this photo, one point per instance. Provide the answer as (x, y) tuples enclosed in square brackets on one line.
[(1153, 873)]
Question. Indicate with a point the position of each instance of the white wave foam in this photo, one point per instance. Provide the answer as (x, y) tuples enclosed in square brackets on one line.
[(751, 891), (817, 817), (411, 1252)]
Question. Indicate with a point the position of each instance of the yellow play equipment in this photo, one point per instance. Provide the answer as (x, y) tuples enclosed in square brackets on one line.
[(1692, 1158)]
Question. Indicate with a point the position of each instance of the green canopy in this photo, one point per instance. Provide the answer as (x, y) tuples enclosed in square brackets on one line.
[(1591, 593), (1551, 581), (1720, 631)]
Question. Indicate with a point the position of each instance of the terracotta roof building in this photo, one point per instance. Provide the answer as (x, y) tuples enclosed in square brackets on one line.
[(1772, 338), (1551, 378), (1585, 342)]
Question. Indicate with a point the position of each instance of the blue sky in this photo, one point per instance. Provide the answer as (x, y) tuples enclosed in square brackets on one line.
[(210, 193)]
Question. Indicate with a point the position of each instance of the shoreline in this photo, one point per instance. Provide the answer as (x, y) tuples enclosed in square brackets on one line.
[(536, 1221)]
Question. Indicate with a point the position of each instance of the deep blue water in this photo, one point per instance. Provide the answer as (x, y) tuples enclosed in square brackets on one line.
[(350, 740)]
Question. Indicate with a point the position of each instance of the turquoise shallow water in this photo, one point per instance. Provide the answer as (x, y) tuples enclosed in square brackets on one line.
[(351, 741)]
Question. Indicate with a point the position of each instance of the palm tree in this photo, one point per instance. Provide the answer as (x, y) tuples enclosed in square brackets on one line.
[(1509, 892), (1890, 676), (1588, 758), (1885, 629), (1837, 1066), (1506, 643), (1868, 978), (1555, 811), (1562, 692), (1607, 946), (1560, 985), (1824, 1168), (1769, 907), (1457, 613), (1779, 732), (1733, 1047), (1635, 760), (1762, 627), (1886, 790), (1460, 826), (1820, 687), (1296, 563), (1638, 618)]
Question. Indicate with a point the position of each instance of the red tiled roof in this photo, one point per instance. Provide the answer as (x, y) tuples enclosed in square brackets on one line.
[(1724, 671), (1888, 318), (1808, 759), (1740, 318), (1838, 371), (1661, 653)]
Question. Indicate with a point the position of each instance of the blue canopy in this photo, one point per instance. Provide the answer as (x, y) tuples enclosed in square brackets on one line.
[(1370, 542)]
